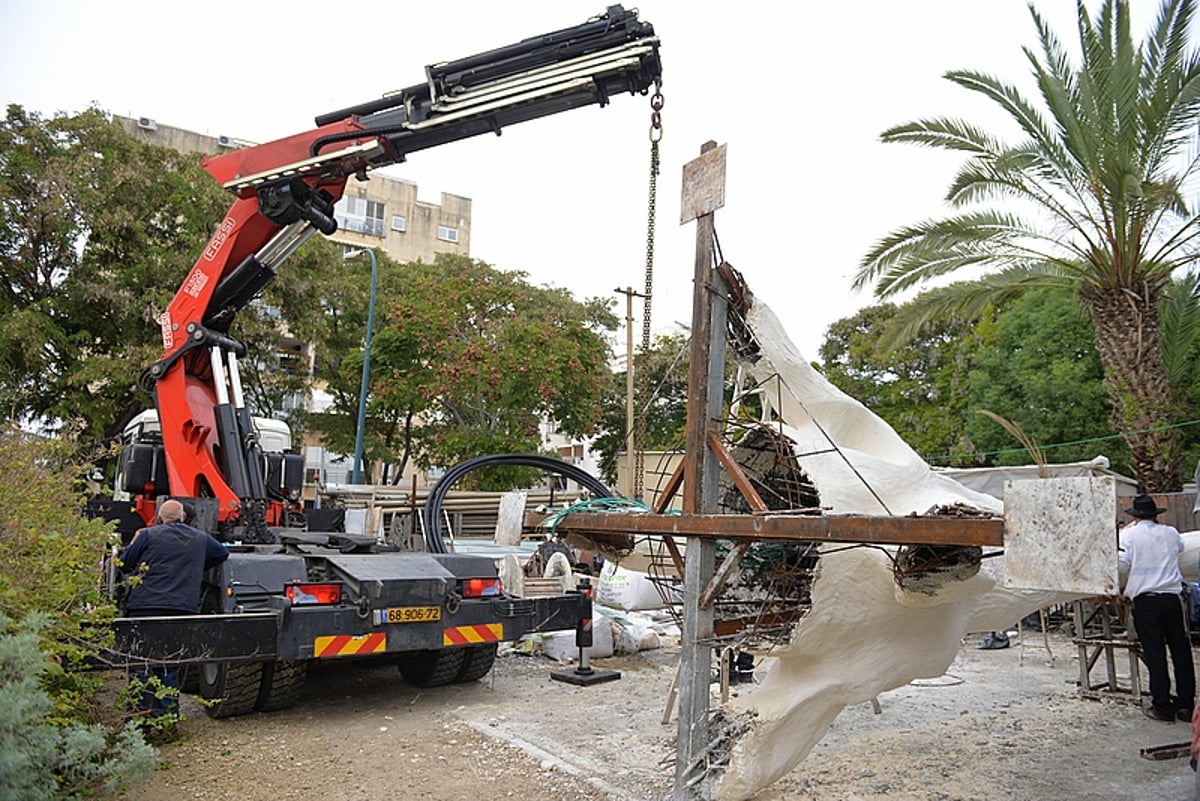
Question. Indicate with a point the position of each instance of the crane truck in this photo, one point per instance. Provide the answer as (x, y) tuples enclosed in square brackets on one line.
[(288, 595)]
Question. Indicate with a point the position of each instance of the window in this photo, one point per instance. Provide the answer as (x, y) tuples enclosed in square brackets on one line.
[(399, 223), (361, 215), (448, 234)]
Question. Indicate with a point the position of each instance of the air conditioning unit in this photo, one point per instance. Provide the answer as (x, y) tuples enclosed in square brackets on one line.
[(225, 141), (147, 124)]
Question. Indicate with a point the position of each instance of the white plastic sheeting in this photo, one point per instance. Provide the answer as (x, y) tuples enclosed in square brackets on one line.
[(992, 479), (863, 634)]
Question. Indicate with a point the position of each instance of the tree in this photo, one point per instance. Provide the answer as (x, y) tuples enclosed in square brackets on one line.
[(1180, 313), (919, 388), (319, 302), (395, 429), (96, 230), (470, 360), (1037, 366), (1090, 198), (666, 377)]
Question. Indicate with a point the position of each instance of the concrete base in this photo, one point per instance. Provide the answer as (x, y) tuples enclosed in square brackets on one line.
[(585, 677)]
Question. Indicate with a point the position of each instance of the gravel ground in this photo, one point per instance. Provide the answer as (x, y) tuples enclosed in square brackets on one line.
[(1006, 724)]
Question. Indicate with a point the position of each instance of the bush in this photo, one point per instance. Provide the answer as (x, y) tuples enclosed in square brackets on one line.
[(52, 742), (41, 760)]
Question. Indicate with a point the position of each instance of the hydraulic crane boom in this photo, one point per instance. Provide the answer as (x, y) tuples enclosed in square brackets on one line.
[(285, 192)]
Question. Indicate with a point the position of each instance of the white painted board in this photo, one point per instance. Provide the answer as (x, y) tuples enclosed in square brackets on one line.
[(1060, 534)]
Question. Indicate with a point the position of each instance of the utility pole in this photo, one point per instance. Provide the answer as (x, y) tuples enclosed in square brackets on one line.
[(632, 482)]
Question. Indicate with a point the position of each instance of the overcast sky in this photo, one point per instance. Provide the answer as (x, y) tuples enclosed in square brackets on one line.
[(798, 92)]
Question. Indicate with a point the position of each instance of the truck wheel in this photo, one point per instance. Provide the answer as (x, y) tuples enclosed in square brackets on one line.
[(281, 684), (432, 668), (234, 686), (478, 662)]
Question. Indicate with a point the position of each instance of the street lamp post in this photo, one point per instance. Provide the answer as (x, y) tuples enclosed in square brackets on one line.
[(356, 477)]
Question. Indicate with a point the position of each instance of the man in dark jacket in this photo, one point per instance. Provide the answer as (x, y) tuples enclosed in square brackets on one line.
[(165, 564)]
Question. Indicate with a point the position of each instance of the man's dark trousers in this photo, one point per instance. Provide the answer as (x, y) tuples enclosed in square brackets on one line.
[(1158, 618)]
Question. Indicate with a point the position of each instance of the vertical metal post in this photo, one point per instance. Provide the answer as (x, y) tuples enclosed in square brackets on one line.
[(632, 482), (701, 475), (356, 477)]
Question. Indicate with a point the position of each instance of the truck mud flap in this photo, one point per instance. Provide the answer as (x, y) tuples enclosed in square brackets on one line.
[(194, 638)]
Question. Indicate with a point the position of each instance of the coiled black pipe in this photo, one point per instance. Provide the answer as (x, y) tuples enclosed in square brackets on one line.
[(432, 514)]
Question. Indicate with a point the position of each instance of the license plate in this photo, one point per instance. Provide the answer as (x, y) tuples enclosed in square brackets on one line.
[(408, 614)]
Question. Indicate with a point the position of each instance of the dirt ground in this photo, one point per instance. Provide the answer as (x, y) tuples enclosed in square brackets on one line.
[(1003, 724)]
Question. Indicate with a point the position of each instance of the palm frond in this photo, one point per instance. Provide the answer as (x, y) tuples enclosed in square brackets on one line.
[(1011, 100), (1027, 442), (947, 134), (933, 248), (1179, 314), (1094, 193), (1178, 250), (966, 300)]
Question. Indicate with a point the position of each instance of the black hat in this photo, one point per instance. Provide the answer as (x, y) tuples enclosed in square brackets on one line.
[(1145, 508)]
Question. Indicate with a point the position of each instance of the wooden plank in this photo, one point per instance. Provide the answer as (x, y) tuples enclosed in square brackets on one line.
[(984, 531), (1169, 751)]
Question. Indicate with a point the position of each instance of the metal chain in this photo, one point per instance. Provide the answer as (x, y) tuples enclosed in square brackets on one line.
[(639, 437)]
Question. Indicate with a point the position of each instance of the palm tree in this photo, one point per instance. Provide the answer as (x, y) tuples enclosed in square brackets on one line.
[(1091, 198)]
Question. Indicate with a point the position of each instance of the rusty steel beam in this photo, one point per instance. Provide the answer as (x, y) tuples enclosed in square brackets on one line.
[(757, 504), (668, 493), (722, 573), (981, 531), (676, 554), (736, 473)]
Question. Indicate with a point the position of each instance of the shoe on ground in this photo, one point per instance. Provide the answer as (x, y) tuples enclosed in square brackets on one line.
[(1184, 715), (1154, 713), (994, 642)]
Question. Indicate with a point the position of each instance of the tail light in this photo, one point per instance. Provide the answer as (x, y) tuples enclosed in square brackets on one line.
[(481, 587), (301, 594)]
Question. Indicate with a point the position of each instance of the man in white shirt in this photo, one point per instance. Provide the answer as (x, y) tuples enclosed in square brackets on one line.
[(1148, 562)]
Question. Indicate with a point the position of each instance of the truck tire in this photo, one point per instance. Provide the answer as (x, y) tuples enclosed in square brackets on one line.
[(232, 686), (478, 662), (432, 668), (281, 684)]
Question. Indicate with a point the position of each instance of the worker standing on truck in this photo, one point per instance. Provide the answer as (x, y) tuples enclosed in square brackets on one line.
[(165, 564)]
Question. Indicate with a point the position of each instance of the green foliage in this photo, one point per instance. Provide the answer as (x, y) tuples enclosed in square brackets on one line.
[(96, 231), (52, 742), (1090, 197), (1031, 362), (319, 302), (664, 372), (919, 388), (52, 553), (1181, 353), (476, 354), (45, 760), (1037, 367)]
